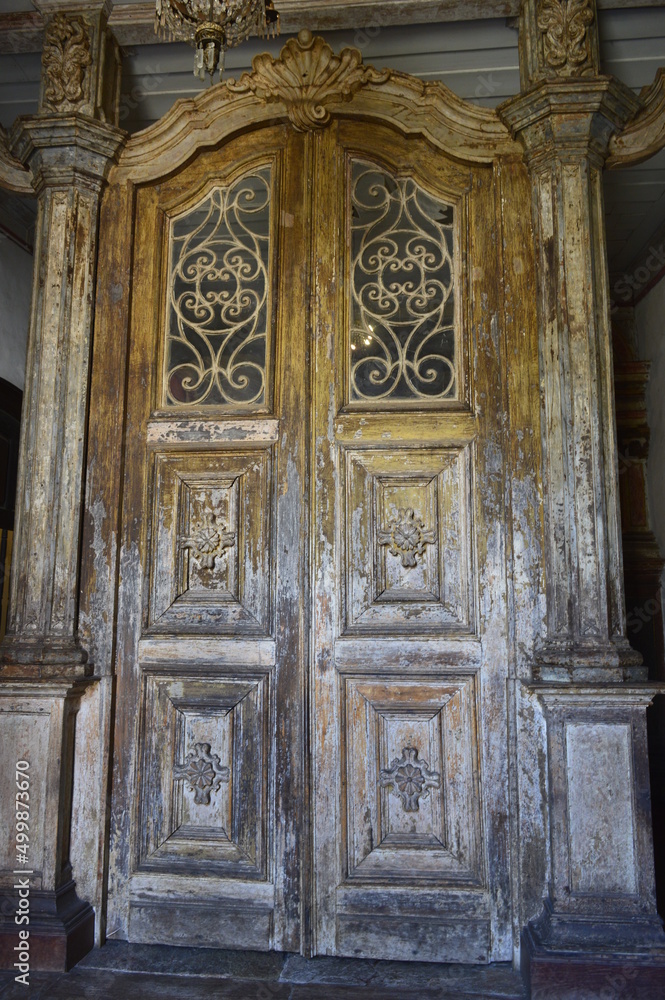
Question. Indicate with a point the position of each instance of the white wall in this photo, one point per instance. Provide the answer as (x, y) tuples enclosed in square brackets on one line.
[(15, 293), (650, 328)]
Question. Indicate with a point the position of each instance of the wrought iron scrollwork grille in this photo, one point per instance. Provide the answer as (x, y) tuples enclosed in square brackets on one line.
[(219, 297), (402, 290)]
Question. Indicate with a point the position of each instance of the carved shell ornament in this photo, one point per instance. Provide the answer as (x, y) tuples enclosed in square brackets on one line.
[(410, 779), (203, 772), (307, 76), (65, 59), (564, 25), (406, 535)]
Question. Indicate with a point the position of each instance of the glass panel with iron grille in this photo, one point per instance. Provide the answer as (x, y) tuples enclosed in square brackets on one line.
[(218, 305), (402, 346)]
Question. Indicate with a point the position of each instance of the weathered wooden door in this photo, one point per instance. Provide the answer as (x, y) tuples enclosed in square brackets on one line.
[(311, 724)]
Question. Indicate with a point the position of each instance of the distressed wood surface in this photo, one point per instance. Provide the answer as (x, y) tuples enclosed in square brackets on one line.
[(267, 95), (248, 860), (644, 135), (459, 444), (14, 176)]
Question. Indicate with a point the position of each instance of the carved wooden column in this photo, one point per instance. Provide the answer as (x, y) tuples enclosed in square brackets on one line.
[(601, 893), (68, 147)]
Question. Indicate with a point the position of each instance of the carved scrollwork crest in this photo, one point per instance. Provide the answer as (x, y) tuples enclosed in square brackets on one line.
[(65, 59), (564, 27), (306, 77)]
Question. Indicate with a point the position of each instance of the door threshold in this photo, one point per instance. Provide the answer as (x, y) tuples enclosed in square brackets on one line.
[(276, 971)]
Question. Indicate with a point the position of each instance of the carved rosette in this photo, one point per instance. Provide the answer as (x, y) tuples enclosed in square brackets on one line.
[(208, 540), (203, 772), (410, 779), (65, 59), (306, 77), (406, 535), (564, 28)]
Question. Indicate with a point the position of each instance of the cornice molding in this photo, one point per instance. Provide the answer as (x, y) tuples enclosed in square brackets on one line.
[(61, 148), (13, 175), (644, 135), (569, 118), (272, 92)]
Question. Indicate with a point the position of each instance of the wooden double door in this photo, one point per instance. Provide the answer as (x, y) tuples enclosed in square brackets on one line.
[(310, 747)]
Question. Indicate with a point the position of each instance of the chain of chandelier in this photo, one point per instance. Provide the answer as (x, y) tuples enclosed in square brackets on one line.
[(213, 26)]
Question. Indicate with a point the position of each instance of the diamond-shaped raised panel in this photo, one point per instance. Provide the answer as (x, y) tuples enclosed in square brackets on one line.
[(205, 775), (408, 541), (413, 797), (211, 545)]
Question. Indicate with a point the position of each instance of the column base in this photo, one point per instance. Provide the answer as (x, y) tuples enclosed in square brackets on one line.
[(62, 930), (42, 657), (609, 973), (588, 661)]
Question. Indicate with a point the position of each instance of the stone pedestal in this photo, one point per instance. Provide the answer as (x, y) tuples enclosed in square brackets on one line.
[(38, 724)]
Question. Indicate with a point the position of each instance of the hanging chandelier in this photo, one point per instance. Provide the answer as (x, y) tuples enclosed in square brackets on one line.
[(213, 26)]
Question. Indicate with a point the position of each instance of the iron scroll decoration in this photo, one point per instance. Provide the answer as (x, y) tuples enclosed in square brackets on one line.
[(402, 290), (219, 297)]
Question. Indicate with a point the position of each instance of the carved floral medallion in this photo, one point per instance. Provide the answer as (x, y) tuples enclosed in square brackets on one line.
[(208, 539), (203, 772), (564, 26), (406, 536), (307, 76), (65, 59), (410, 779)]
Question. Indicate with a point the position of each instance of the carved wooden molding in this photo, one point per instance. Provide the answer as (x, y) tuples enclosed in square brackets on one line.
[(203, 772), (306, 77), (13, 176), (564, 26), (267, 94), (209, 539), (409, 778), (644, 136), (65, 61)]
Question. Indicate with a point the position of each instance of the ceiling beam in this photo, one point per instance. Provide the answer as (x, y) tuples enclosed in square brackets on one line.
[(133, 23)]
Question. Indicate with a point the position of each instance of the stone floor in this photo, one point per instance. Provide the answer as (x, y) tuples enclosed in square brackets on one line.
[(145, 972)]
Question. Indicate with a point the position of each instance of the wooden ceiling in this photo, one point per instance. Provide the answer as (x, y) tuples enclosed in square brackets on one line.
[(471, 45)]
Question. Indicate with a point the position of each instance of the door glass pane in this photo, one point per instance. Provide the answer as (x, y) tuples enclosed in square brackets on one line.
[(402, 290), (219, 298)]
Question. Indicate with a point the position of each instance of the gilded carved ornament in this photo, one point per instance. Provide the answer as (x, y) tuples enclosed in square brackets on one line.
[(564, 27), (306, 76), (65, 60)]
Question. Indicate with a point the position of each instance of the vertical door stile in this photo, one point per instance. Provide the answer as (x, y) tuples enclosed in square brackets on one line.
[(327, 221), (488, 354), (292, 541), (126, 789)]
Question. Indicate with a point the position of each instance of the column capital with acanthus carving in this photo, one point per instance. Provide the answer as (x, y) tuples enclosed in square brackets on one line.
[(80, 60), (558, 40)]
